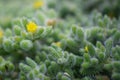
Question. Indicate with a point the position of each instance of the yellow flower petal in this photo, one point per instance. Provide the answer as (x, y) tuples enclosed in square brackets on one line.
[(86, 48), (58, 44), (31, 27), (1, 33), (38, 4)]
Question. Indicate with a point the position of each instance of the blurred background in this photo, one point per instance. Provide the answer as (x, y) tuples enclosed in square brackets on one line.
[(10, 9), (67, 13)]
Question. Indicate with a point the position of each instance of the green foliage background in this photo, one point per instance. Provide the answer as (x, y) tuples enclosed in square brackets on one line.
[(75, 40)]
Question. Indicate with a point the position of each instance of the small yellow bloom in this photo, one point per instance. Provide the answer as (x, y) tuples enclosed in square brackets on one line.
[(58, 44), (86, 48), (1, 33), (31, 27), (38, 4)]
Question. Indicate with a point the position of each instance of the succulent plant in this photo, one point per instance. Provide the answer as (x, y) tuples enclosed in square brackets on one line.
[(55, 40)]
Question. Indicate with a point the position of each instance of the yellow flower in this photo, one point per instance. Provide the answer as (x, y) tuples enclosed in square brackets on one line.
[(86, 48), (31, 27), (58, 44), (1, 33), (38, 4)]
